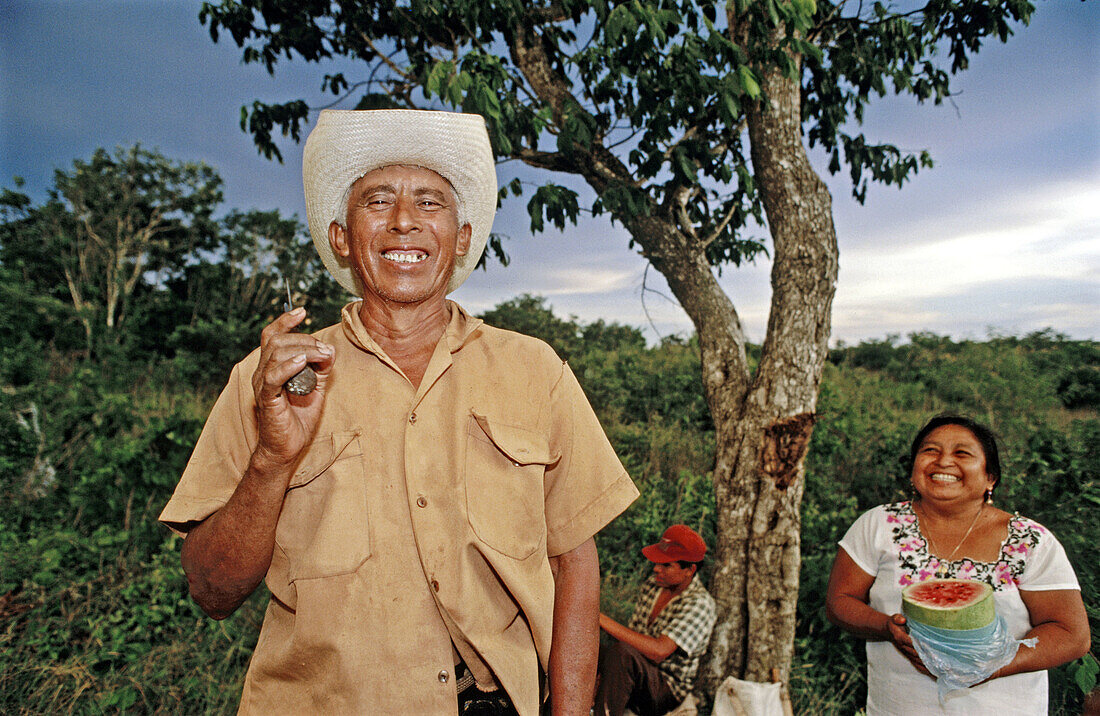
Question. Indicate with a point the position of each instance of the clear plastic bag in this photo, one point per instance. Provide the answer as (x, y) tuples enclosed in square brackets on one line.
[(960, 658)]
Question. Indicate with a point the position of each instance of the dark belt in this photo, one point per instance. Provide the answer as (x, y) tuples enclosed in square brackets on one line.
[(472, 701)]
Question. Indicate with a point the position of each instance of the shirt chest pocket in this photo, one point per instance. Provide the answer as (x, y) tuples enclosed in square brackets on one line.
[(505, 465), (324, 527)]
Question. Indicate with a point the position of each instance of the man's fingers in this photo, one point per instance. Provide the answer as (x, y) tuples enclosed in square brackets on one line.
[(284, 352), (285, 323), (322, 356), (286, 421), (288, 347), (285, 363)]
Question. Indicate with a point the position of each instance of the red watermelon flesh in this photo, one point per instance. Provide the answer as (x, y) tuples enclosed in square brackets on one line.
[(949, 603)]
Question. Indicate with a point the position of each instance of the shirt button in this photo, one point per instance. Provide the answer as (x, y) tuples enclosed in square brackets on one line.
[(412, 419), (421, 501), (435, 585), (443, 676)]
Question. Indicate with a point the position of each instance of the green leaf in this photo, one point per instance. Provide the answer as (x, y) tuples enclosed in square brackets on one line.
[(44, 578), (437, 75), (621, 22), (1085, 671), (685, 165), (748, 81), (730, 107), (806, 7), (488, 103), (773, 11), (556, 203), (807, 49)]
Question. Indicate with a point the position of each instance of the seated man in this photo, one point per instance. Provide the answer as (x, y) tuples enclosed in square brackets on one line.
[(650, 666)]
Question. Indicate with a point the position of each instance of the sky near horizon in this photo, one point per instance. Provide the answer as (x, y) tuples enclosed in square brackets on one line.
[(1002, 236)]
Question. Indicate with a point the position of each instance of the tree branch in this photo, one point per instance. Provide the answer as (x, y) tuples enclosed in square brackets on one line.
[(553, 12), (595, 163), (679, 199), (531, 60), (553, 161), (383, 57), (721, 226)]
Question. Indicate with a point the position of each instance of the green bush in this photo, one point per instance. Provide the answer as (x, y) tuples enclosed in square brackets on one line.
[(94, 611), (98, 625)]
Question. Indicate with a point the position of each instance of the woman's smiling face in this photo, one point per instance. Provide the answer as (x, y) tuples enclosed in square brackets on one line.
[(950, 465)]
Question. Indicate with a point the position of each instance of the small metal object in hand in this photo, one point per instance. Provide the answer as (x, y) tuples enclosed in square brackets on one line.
[(306, 380)]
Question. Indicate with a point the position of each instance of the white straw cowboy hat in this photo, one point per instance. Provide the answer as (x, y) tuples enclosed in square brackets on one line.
[(346, 144)]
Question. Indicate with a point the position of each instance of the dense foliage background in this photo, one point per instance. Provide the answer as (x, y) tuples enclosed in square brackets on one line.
[(101, 400)]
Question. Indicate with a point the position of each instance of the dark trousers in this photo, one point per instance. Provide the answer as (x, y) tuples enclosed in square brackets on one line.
[(629, 679)]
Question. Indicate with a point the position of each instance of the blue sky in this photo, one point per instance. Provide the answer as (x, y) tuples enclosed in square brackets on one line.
[(1002, 236)]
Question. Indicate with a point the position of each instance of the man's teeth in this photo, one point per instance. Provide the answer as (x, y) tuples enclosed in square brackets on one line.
[(941, 477), (405, 257)]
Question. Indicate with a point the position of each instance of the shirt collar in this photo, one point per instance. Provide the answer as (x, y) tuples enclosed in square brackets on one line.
[(693, 586), (460, 328)]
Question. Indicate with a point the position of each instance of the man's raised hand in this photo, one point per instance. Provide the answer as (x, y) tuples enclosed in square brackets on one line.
[(287, 422)]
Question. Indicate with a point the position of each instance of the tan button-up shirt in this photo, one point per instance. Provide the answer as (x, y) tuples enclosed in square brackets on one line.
[(418, 519)]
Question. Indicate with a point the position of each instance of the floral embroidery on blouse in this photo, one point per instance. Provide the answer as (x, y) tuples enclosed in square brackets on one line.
[(917, 564)]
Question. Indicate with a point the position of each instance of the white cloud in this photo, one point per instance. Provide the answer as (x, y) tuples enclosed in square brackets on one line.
[(997, 234), (1052, 234), (580, 280)]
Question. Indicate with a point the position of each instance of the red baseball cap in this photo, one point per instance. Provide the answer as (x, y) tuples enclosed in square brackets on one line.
[(678, 543)]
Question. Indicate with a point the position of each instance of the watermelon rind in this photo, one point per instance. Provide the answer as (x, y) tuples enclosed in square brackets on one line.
[(975, 613)]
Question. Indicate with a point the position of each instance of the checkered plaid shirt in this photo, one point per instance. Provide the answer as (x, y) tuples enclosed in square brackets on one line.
[(688, 620)]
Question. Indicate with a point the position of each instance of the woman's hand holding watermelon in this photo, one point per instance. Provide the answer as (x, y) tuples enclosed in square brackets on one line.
[(899, 635)]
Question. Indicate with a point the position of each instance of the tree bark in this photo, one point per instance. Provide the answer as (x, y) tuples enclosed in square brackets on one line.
[(763, 422), (761, 453)]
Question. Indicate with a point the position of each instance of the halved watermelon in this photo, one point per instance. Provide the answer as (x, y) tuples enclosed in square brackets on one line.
[(949, 603)]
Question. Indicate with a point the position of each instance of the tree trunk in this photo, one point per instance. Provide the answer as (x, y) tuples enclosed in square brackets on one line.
[(763, 422), (761, 450), (80, 305)]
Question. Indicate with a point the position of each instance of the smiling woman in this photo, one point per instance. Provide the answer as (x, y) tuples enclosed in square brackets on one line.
[(950, 467), (955, 465)]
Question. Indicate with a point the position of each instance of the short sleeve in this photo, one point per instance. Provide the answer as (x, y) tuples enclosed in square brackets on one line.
[(220, 457), (1047, 567), (692, 626), (587, 486), (643, 606), (860, 542)]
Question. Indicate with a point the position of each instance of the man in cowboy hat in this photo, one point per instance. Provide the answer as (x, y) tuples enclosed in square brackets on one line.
[(650, 664), (423, 518)]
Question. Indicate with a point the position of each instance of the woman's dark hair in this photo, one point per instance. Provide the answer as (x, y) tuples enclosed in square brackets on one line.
[(986, 437)]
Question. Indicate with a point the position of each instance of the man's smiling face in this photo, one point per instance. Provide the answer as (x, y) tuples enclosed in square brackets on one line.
[(402, 234)]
